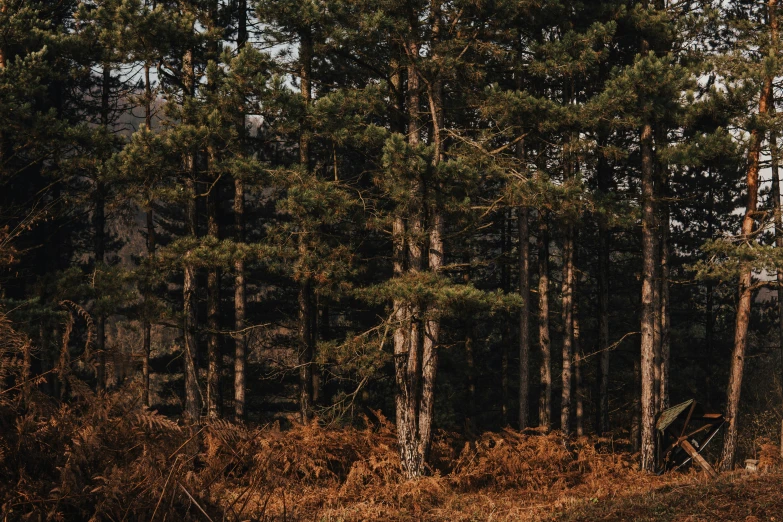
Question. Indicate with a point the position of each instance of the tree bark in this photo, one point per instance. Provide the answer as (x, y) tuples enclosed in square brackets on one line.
[(505, 331), (435, 257), (213, 314), (99, 226), (602, 426), (545, 403), (189, 285), (306, 333), (649, 261), (663, 395), (147, 336), (240, 337), (746, 277), (568, 328), (147, 325), (524, 315), (578, 376)]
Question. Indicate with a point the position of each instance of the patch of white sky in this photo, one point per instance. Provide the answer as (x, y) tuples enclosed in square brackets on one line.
[(132, 75)]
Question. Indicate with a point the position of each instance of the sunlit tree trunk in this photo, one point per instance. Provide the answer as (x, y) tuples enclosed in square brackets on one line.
[(746, 277), (649, 260)]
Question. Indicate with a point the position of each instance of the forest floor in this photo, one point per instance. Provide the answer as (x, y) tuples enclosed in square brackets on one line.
[(689, 497), (738, 496)]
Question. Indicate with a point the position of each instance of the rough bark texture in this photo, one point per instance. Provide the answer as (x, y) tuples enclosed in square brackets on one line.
[(649, 261), (746, 278), (545, 403), (524, 315), (416, 370)]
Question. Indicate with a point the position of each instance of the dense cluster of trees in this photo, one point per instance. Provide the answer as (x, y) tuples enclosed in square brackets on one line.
[(467, 214)]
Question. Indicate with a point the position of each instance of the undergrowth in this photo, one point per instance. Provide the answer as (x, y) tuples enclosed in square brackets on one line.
[(81, 455)]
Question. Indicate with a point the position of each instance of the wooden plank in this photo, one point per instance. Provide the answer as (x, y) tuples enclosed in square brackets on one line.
[(690, 450)]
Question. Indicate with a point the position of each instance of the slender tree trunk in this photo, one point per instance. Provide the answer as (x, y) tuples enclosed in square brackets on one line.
[(648, 311), (435, 259), (524, 315), (604, 172), (664, 309), (578, 376), (505, 284), (189, 285), (240, 337), (147, 336), (99, 226), (147, 325), (213, 313), (567, 298), (545, 403), (408, 366), (306, 333), (568, 328), (746, 277), (603, 329)]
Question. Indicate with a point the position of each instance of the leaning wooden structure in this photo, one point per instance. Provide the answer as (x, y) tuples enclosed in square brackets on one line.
[(683, 431)]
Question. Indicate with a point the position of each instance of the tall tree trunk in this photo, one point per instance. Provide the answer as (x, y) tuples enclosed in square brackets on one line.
[(524, 315), (147, 324), (604, 179), (505, 284), (99, 226), (240, 337), (746, 277), (213, 313), (435, 257), (306, 333), (567, 293), (578, 376), (663, 395), (649, 260), (545, 403), (602, 425), (213, 274), (189, 285)]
